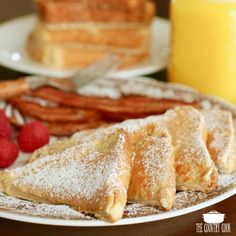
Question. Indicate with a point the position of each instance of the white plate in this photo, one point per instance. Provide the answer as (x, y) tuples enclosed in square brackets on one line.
[(186, 202), (13, 55), (129, 221)]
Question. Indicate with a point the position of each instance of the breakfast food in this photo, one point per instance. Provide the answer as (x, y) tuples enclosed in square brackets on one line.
[(63, 11), (71, 56), (221, 139), (65, 113), (168, 152), (99, 34), (74, 34), (92, 178), (53, 113), (153, 174), (195, 170), (52, 148)]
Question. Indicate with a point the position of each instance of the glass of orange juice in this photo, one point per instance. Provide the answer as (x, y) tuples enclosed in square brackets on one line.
[(203, 46)]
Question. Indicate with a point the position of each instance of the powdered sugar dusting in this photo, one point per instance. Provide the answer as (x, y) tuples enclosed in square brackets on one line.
[(227, 180), (193, 162), (37, 209), (139, 209), (116, 88), (222, 137), (77, 173), (157, 158), (183, 199)]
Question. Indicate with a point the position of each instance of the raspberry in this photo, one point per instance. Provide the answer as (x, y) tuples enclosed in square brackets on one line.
[(33, 136), (8, 153), (5, 127)]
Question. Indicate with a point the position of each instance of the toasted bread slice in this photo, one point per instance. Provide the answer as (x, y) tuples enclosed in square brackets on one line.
[(153, 175), (110, 34), (52, 149), (195, 170), (153, 172), (92, 177), (80, 55), (123, 4), (221, 139), (65, 12)]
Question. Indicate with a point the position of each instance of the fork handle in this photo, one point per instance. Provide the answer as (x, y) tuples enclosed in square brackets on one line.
[(12, 88)]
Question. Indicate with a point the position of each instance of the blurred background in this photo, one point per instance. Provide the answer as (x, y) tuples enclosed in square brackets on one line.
[(12, 8)]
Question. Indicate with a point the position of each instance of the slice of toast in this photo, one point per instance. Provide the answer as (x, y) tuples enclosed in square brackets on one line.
[(111, 34), (221, 139), (53, 148), (68, 12), (92, 177), (80, 55), (153, 170), (195, 170), (153, 175), (123, 4)]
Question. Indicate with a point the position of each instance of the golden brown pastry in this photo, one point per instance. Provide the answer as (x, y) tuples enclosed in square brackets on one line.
[(52, 149), (92, 177), (153, 170), (153, 175), (221, 139), (195, 170)]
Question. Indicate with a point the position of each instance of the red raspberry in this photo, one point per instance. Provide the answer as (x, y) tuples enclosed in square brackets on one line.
[(33, 136), (5, 127), (8, 153)]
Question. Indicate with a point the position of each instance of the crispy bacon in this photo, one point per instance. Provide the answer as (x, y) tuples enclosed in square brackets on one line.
[(74, 112), (136, 106), (66, 129), (54, 114)]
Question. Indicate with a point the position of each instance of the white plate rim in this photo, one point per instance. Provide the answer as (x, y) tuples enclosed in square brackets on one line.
[(44, 71), (126, 221)]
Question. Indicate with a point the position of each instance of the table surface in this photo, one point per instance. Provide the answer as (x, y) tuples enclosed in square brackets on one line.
[(183, 225)]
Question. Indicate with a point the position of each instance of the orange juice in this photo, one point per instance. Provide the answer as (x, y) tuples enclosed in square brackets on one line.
[(203, 46)]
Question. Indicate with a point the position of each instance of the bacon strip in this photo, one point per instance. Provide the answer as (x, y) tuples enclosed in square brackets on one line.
[(136, 106), (63, 128), (74, 112), (66, 129), (54, 114)]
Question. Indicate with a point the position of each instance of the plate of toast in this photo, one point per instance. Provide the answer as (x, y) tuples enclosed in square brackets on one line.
[(49, 49), (146, 151)]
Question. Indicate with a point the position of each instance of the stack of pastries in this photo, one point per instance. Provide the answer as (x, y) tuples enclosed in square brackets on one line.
[(140, 161), (76, 33)]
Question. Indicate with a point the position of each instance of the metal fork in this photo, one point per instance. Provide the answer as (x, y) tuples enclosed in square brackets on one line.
[(83, 77)]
